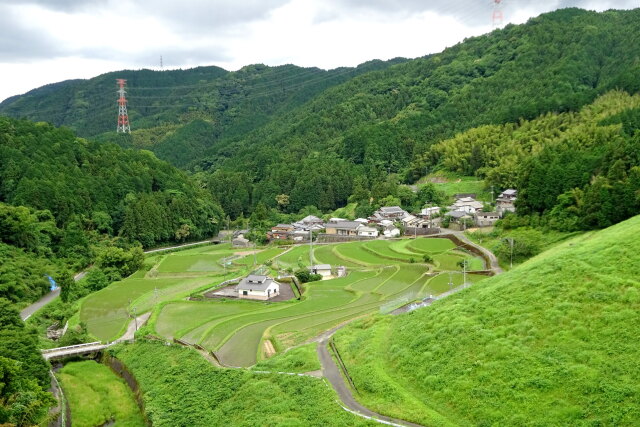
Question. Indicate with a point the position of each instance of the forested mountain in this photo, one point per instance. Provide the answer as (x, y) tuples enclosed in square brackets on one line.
[(100, 186), (579, 170), (225, 104), (383, 122), (264, 132)]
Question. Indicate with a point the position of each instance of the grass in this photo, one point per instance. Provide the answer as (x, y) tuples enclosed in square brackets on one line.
[(378, 271), (552, 342), (298, 360), (179, 387), (97, 396)]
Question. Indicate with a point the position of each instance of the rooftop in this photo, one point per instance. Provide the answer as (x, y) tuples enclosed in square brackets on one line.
[(255, 282), (349, 225)]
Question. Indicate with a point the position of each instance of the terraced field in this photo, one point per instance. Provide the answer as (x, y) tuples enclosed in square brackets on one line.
[(379, 273), (173, 276)]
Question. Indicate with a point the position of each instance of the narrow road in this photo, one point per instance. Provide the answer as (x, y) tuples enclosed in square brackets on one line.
[(495, 266), (332, 373), (28, 311)]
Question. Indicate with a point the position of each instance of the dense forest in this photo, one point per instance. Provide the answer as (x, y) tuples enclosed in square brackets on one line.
[(574, 171), (102, 187), (316, 137)]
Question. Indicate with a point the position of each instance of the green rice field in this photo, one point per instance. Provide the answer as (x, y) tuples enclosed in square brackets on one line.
[(380, 272)]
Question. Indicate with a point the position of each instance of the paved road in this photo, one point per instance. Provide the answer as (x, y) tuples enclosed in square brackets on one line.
[(27, 312), (332, 373)]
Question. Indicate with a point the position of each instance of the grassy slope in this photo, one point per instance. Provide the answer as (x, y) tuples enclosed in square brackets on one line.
[(96, 395), (180, 387), (551, 342)]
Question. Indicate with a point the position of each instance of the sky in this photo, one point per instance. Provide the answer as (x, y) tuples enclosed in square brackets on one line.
[(46, 41)]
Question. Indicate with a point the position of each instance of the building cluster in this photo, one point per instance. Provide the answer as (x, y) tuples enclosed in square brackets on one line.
[(467, 210)]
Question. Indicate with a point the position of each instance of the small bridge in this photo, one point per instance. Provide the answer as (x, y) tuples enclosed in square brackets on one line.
[(74, 350)]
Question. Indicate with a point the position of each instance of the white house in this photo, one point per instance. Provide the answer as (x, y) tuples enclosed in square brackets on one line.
[(506, 201), (367, 231), (258, 287), (322, 269), (429, 212), (467, 204)]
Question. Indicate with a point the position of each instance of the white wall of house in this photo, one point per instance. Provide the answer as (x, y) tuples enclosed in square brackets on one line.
[(272, 290)]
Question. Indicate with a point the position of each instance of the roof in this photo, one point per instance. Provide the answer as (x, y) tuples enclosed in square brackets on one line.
[(283, 226), (367, 229), (348, 225), (255, 283), (510, 192), (465, 199), (488, 214), (310, 218), (458, 214), (362, 220), (408, 218), (461, 195), (320, 267), (391, 209), (334, 220)]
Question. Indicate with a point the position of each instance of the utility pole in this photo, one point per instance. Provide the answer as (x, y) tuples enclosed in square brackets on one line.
[(492, 194), (135, 318), (255, 259), (464, 273), (123, 117), (310, 249), (511, 258)]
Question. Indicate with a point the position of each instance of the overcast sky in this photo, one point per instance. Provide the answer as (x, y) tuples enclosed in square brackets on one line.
[(45, 41)]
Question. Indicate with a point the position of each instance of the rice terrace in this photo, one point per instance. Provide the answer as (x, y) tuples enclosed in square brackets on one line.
[(381, 275)]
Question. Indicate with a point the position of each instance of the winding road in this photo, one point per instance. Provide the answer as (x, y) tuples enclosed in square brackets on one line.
[(332, 373)]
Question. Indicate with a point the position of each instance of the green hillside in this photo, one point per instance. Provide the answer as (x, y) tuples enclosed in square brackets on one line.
[(579, 170), (318, 136), (101, 187), (553, 342), (180, 387)]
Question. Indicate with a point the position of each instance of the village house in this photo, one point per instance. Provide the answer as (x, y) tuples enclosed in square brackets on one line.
[(466, 204), (506, 201), (258, 287), (486, 219), (459, 219), (281, 232), (343, 228), (322, 269), (412, 221), (391, 213), (309, 222), (240, 242), (430, 212), (365, 231)]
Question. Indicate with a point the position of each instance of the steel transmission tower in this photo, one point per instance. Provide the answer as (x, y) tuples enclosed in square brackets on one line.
[(123, 117), (497, 16)]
